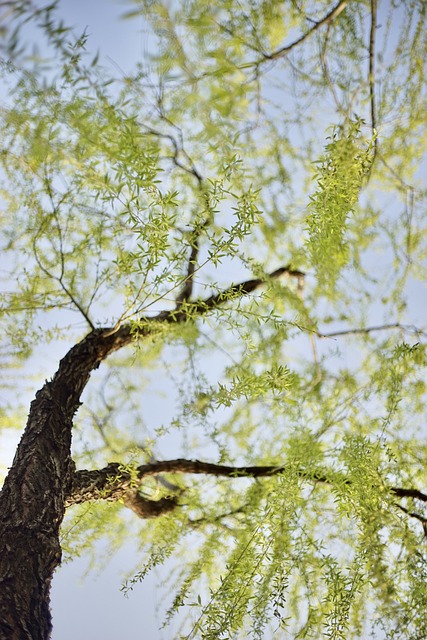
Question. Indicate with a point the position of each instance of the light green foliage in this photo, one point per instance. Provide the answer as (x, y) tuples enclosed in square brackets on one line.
[(214, 162), (340, 177)]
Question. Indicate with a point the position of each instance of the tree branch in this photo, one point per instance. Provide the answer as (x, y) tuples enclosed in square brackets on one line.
[(280, 53), (111, 482), (183, 313), (245, 288), (372, 70), (187, 289), (413, 514), (409, 493), (367, 330), (358, 331)]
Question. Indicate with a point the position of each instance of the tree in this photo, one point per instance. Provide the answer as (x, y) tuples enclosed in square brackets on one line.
[(240, 220)]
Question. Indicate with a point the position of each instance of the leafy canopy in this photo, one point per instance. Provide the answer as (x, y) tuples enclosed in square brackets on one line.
[(255, 135)]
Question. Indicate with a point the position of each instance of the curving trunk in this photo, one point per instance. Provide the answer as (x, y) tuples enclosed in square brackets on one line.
[(32, 501), (33, 498), (31, 512)]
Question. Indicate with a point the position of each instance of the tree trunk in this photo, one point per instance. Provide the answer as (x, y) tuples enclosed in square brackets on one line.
[(32, 501), (31, 512)]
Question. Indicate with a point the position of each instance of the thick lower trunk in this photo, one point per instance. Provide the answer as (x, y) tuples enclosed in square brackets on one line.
[(29, 558), (32, 501), (31, 511)]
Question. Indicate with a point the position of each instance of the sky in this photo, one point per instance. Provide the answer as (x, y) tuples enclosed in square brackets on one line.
[(89, 604), (92, 605)]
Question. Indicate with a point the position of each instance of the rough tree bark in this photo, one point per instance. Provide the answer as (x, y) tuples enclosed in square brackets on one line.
[(33, 498), (32, 501), (42, 481)]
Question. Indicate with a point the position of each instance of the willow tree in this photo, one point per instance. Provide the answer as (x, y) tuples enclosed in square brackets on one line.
[(234, 234)]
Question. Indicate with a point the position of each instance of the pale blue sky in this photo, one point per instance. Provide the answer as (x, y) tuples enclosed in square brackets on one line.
[(94, 607)]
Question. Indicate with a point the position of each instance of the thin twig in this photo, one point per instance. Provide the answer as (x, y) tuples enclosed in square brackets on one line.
[(367, 330), (327, 75), (280, 53), (59, 280), (372, 75), (413, 514)]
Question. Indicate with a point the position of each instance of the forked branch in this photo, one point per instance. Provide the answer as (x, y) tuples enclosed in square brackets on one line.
[(114, 483)]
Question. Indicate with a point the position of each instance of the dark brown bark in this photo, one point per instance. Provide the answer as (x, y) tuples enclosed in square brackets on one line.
[(113, 483), (31, 511), (32, 501), (145, 508)]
